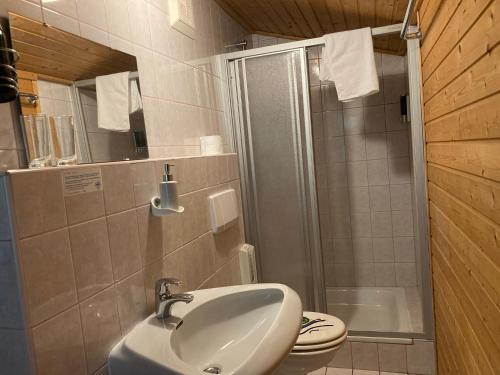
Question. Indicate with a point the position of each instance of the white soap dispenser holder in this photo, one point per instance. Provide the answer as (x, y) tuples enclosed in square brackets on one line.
[(167, 202)]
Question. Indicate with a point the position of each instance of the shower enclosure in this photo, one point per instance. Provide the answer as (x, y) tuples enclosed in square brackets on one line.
[(334, 193)]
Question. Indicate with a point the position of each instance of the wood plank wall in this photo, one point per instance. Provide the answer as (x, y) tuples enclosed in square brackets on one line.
[(461, 92)]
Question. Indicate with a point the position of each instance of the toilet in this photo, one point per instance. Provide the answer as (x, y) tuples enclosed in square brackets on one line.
[(319, 337)]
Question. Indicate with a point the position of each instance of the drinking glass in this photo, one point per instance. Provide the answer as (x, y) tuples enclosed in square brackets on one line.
[(38, 140), (62, 131)]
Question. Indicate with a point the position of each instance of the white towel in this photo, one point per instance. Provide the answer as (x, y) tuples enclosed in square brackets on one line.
[(349, 61), (135, 97), (113, 102)]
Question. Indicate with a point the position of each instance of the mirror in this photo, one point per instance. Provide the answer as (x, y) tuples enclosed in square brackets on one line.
[(93, 88)]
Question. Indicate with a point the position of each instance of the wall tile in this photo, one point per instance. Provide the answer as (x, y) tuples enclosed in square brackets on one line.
[(404, 249), (383, 249), (61, 21), (101, 327), (357, 174), (92, 12), (151, 236), (374, 119), (118, 191), (333, 124), (406, 274), (401, 198), (355, 148), (144, 182), (392, 357), (131, 300), (364, 274), (402, 222), (124, 243), (380, 198), (381, 224), (38, 202), (421, 357), (385, 274), (49, 281), (365, 356), (84, 207), (342, 357), (376, 146), (66, 7), (58, 345), (378, 172), (353, 121), (91, 257), (362, 249)]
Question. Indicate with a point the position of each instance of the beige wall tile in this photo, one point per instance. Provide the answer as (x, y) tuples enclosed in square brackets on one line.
[(101, 327), (5, 230), (421, 357), (392, 357), (91, 256), (233, 167), (38, 202), (227, 244), (58, 345), (152, 272), (217, 170), (343, 357), (132, 306), (364, 356), (118, 191), (191, 174), (84, 207), (151, 237), (124, 243), (144, 182), (49, 281)]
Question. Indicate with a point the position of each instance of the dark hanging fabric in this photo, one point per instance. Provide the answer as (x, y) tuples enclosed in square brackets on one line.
[(9, 88)]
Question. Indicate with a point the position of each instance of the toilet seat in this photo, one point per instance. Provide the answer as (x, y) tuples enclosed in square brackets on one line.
[(319, 332), (326, 345)]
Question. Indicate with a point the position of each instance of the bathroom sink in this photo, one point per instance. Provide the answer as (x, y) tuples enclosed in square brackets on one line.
[(244, 329)]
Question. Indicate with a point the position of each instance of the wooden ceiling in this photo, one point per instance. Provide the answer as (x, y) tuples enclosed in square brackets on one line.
[(299, 19), (55, 53)]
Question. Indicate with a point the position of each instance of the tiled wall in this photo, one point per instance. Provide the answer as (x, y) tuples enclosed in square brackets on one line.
[(179, 77), (363, 178), (88, 262), (415, 358)]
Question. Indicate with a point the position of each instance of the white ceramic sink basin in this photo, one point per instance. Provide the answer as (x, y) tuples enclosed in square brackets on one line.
[(244, 329)]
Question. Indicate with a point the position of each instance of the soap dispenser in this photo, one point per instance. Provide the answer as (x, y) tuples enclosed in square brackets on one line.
[(168, 189), (167, 203)]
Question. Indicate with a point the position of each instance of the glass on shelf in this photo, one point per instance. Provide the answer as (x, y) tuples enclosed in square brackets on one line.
[(62, 131), (38, 140)]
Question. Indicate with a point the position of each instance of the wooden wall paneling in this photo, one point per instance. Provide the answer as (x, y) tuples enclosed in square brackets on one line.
[(485, 271), (478, 228), (480, 120), (481, 80), (479, 193), (478, 307), (482, 346), (481, 158), (463, 18), (481, 38)]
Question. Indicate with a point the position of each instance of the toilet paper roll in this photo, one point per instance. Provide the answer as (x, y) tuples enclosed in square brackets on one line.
[(211, 145)]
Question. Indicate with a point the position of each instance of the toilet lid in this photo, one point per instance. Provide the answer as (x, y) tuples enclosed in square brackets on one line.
[(322, 346), (318, 328)]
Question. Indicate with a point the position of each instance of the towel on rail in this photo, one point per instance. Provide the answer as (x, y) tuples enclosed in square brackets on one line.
[(117, 96), (349, 61)]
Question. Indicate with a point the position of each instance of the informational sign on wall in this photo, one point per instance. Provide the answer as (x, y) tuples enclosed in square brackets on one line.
[(81, 181)]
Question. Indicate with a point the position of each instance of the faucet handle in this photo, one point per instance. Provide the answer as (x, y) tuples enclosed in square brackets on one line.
[(161, 286)]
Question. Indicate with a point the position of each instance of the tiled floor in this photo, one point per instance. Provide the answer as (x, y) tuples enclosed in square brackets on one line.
[(345, 371)]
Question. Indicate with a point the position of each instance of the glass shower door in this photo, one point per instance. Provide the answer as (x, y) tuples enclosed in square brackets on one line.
[(271, 110)]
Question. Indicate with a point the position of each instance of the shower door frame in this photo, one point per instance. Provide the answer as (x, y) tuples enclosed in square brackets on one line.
[(419, 177)]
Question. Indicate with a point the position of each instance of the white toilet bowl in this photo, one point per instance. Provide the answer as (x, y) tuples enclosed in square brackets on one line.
[(320, 336)]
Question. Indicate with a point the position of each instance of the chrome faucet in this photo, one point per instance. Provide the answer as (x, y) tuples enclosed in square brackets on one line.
[(164, 299)]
